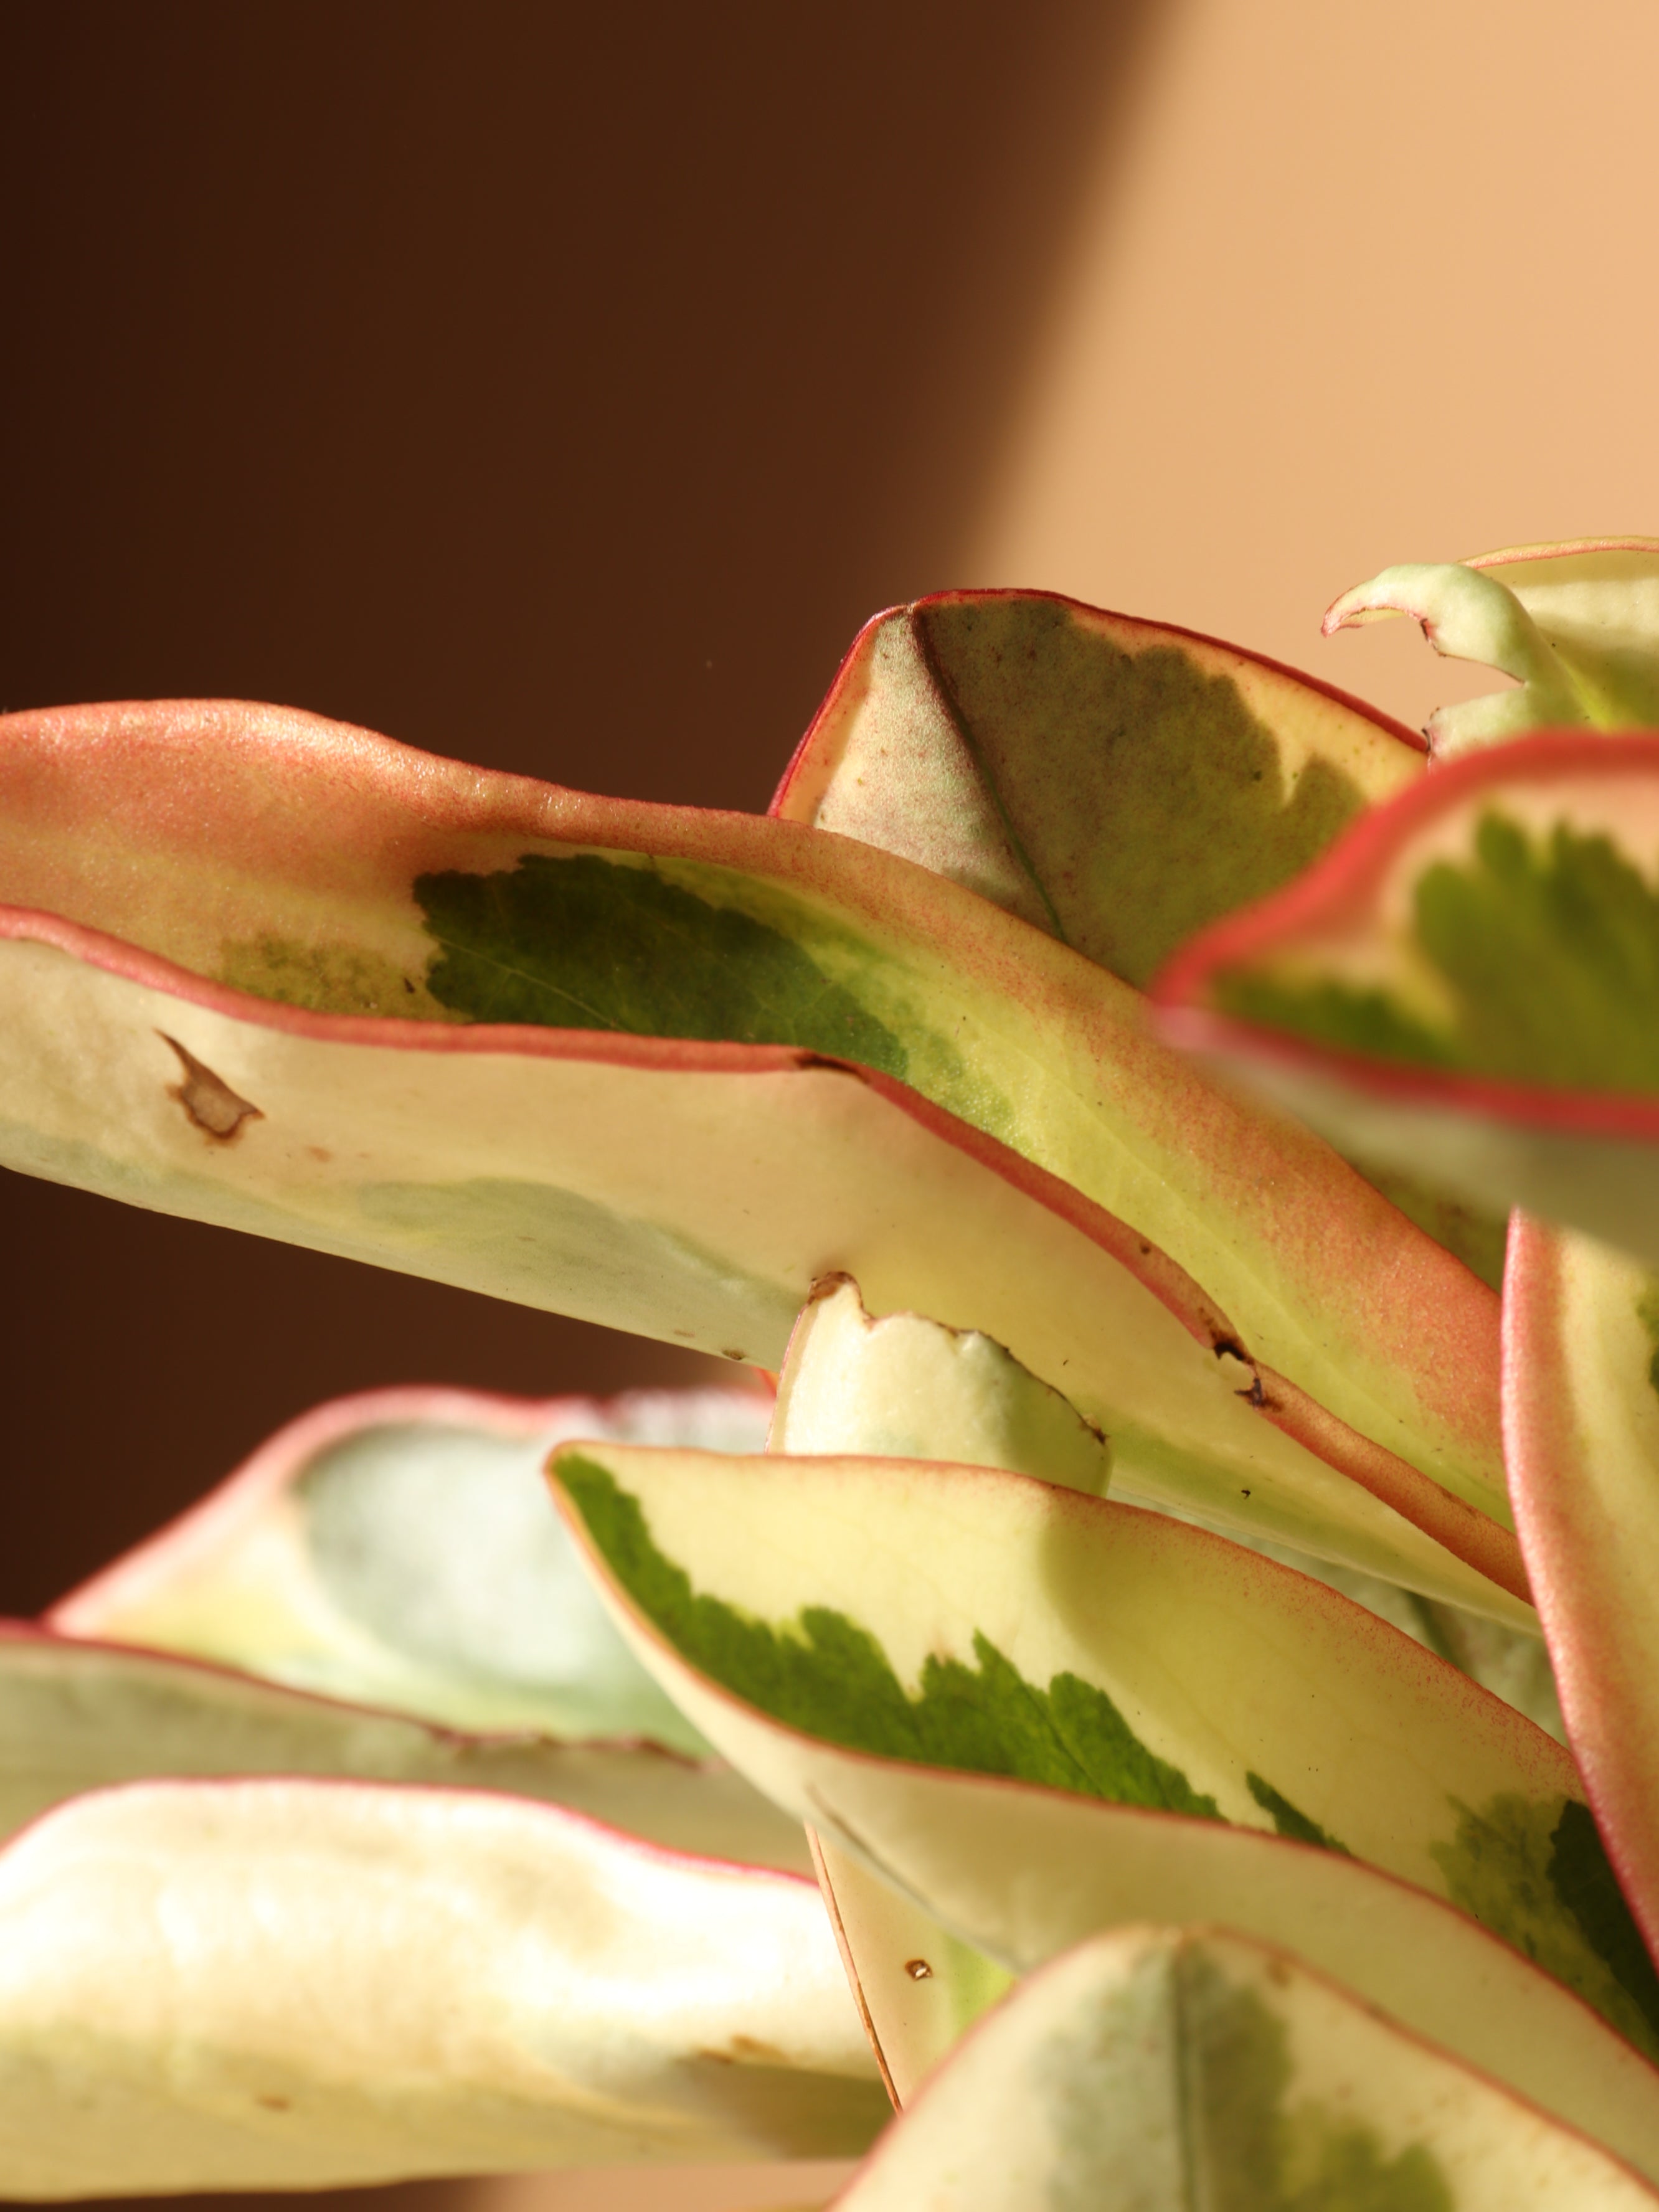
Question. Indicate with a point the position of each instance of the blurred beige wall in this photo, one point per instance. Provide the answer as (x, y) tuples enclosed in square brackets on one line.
[(1351, 286)]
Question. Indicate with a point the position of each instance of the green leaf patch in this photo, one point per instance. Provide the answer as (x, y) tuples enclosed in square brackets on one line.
[(827, 1677), (1549, 951), (597, 943)]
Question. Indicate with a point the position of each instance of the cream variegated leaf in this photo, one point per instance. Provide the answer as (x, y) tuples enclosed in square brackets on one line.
[(1469, 981), (804, 1611), (1117, 783), (396, 1549), (535, 1043), (302, 1984), (1160, 2069), (904, 1386)]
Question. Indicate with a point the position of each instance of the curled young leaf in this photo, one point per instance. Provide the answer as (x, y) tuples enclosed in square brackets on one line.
[(1576, 625), (1166, 2067)]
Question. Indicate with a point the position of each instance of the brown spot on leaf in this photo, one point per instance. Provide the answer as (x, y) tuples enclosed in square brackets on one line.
[(746, 2050), (738, 1355), (918, 1970), (273, 2103), (209, 1100)]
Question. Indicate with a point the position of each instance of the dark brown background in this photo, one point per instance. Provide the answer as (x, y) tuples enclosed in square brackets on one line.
[(553, 386)]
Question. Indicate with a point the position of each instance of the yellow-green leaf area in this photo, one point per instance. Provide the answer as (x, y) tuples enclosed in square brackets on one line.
[(1139, 791), (593, 942), (1647, 1312), (1537, 1874), (1259, 2152), (1548, 951), (828, 1676), (327, 979)]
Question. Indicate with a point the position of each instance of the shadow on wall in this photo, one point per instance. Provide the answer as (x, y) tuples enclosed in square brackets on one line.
[(552, 386), (555, 387)]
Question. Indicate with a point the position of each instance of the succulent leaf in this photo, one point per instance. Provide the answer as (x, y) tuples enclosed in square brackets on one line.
[(78, 1715), (397, 1549), (1165, 2067), (1020, 1872), (1469, 981), (906, 1387), (1581, 1419), (1117, 783), (320, 987), (967, 1619), (295, 1983), (918, 1987)]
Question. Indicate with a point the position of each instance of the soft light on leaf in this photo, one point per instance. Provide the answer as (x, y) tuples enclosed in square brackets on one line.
[(963, 1618), (304, 1984), (1163, 2069), (397, 1549), (905, 1388)]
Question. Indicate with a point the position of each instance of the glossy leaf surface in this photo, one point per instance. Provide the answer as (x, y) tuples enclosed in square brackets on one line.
[(397, 1549), (1020, 1872), (697, 1193), (963, 1618), (193, 855), (1117, 783), (298, 1984), (1581, 1419), (1576, 625), (1470, 979), (1165, 2069)]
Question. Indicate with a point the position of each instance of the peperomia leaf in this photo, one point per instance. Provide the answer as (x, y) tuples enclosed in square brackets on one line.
[(1165, 2069), (300, 1984), (918, 1987), (1582, 1423), (1576, 625), (967, 1619), (268, 971), (397, 1549), (697, 1192), (1118, 783), (1020, 1871), (904, 1388), (1470, 980), (75, 1717)]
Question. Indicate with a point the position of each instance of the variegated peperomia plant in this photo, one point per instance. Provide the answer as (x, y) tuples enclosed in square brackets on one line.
[(1133, 1617)]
